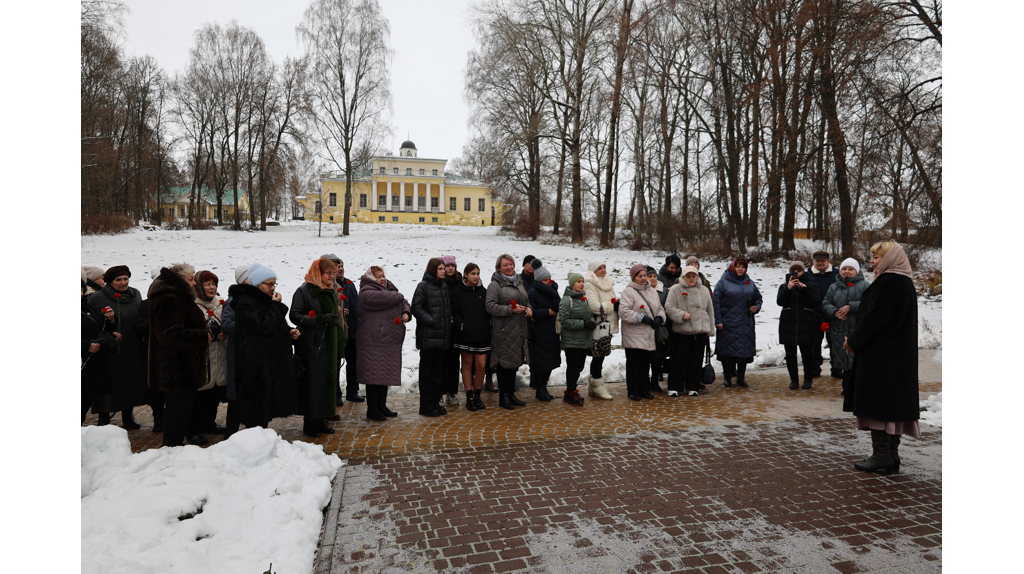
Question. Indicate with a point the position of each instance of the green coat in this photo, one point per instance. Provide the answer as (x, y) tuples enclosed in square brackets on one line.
[(321, 348), (572, 311)]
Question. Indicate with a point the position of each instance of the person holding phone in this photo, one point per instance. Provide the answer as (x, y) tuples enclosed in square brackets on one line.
[(798, 324)]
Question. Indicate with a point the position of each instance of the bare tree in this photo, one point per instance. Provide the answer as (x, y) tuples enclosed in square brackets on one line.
[(349, 58)]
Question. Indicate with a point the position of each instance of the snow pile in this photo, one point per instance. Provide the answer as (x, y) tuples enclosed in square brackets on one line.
[(933, 413), (237, 506)]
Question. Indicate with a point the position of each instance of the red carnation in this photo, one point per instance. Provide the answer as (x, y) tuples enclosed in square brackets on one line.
[(641, 306), (583, 298), (222, 302), (513, 303), (746, 282), (614, 300), (398, 321), (117, 295), (312, 314), (824, 327), (685, 293), (106, 309), (349, 282), (849, 284), (343, 297), (210, 312)]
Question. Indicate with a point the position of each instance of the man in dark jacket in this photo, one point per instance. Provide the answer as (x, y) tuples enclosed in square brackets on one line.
[(798, 323), (348, 289), (527, 273), (178, 339), (670, 271), (823, 276)]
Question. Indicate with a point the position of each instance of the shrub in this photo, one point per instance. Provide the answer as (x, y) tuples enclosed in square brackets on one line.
[(106, 224)]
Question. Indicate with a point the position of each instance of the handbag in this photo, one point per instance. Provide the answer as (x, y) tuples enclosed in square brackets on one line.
[(602, 338), (661, 333), (708, 376)]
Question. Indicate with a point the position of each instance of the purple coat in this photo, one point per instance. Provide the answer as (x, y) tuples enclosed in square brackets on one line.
[(379, 340)]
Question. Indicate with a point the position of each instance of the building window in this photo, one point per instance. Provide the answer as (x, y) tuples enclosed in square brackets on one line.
[(468, 205), (423, 219), (395, 201), (423, 172), (433, 220), (333, 200), (452, 203), (422, 201), (332, 218), (317, 207), (394, 219), (433, 172), (481, 208), (482, 222), (181, 211), (362, 200), (380, 218), (408, 171), (433, 202), (408, 201), (408, 153), (382, 200), (395, 171), (382, 172)]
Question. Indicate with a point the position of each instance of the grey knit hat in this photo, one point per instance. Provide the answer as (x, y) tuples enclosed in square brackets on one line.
[(540, 274)]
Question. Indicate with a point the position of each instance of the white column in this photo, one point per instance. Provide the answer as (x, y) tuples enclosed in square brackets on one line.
[(415, 196), (442, 199), (389, 195), (401, 190)]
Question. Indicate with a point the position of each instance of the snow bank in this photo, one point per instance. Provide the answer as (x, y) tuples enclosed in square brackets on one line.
[(237, 506), (933, 413)]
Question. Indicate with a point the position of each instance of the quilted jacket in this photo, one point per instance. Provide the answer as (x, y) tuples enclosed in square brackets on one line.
[(733, 297), (379, 339), (509, 346), (433, 311), (637, 335), (572, 311)]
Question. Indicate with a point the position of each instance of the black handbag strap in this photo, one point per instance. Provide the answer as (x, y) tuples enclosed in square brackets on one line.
[(648, 303), (707, 350)]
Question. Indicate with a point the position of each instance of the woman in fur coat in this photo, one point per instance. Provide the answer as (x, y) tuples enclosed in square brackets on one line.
[(600, 293)]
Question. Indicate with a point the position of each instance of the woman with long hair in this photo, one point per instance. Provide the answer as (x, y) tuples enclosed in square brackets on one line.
[(433, 312), (471, 332), (316, 311)]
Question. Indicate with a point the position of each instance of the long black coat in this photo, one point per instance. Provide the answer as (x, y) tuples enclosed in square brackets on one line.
[(320, 363), (95, 370), (264, 371), (884, 343), (178, 336), (545, 344), (799, 324), (471, 325), (127, 389), (433, 312)]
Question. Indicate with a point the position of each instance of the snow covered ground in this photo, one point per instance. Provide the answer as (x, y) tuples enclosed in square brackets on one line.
[(237, 506), (403, 250), (933, 413)]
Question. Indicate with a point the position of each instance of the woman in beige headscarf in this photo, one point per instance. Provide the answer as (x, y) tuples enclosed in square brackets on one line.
[(883, 381)]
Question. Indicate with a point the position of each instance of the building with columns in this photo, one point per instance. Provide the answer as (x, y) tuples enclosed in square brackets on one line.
[(405, 189)]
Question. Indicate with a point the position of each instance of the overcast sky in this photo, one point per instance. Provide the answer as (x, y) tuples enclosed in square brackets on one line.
[(431, 40)]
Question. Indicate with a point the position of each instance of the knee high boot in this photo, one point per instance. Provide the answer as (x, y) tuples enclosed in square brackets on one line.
[(741, 372), (881, 458)]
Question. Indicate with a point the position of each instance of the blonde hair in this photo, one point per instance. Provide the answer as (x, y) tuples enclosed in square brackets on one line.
[(882, 247), (503, 256)]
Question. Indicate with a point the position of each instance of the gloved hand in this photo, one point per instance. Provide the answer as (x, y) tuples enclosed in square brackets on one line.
[(659, 321), (109, 340), (647, 320), (330, 318), (589, 325), (215, 329), (615, 305)]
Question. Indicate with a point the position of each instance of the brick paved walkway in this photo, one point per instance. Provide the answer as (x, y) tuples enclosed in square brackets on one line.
[(736, 480)]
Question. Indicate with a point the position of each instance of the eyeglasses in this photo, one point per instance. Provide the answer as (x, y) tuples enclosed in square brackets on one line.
[(271, 285)]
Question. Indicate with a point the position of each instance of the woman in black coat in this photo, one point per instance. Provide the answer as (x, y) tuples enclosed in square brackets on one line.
[(545, 347), (452, 364), (883, 391), (96, 345), (264, 369), (471, 332), (798, 324), (433, 313)]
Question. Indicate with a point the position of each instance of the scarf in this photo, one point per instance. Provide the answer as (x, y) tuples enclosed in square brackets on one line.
[(313, 276), (509, 278), (603, 283), (895, 261)]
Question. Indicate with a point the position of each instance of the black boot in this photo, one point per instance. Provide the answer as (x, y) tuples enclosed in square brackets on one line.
[(655, 387), (727, 366), (807, 382), (542, 390), (741, 372), (479, 403), (310, 427), (794, 384), (894, 444), (324, 427), (104, 419), (504, 401), (382, 399), (373, 403), (128, 421), (158, 423), (470, 401), (515, 400), (880, 459)]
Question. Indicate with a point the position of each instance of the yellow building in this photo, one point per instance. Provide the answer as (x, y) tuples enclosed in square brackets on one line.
[(405, 189)]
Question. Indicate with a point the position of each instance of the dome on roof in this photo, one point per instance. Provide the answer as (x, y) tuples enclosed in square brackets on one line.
[(408, 144)]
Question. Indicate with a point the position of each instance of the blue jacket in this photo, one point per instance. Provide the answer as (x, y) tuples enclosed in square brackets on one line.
[(545, 347), (733, 296), (352, 304), (824, 280)]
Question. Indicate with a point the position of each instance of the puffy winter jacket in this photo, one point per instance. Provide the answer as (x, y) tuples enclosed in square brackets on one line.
[(697, 302), (841, 294), (600, 292), (471, 325), (798, 324), (380, 338), (509, 346), (637, 335), (823, 280), (433, 312), (733, 296), (545, 353), (572, 312)]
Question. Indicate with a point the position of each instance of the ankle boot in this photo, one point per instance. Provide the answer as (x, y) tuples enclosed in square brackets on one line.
[(515, 400), (807, 382), (894, 444), (104, 419), (655, 387), (373, 403), (542, 391), (880, 457), (476, 398), (382, 399), (470, 401), (741, 372), (504, 402), (128, 421)]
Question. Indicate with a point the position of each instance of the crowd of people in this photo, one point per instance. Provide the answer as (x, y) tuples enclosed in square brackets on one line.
[(183, 349)]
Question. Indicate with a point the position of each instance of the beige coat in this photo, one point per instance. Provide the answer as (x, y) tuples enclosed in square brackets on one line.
[(600, 291), (218, 365), (637, 335), (697, 302)]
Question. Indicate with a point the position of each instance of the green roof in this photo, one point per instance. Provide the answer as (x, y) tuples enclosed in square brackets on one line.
[(206, 193)]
